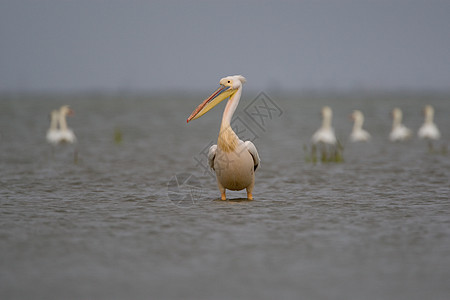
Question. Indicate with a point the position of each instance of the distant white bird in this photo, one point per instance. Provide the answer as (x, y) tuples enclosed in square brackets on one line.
[(233, 160), (358, 133), (399, 131), (66, 134), (53, 132), (325, 134), (429, 129)]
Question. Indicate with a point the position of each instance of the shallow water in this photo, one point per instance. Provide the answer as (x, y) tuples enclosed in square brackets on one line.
[(129, 212)]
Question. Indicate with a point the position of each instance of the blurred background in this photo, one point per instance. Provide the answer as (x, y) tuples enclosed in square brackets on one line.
[(188, 45)]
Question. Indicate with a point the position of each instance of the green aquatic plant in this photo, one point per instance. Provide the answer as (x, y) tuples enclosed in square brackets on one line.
[(118, 136), (437, 151), (326, 153), (338, 156), (310, 155), (75, 156)]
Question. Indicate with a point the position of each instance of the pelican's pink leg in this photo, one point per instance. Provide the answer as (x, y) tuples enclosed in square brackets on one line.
[(222, 191), (250, 190)]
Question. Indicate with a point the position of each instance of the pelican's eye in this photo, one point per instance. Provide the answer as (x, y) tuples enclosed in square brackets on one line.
[(229, 81)]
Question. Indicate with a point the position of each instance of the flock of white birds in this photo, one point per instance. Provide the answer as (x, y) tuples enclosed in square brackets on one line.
[(325, 134), (59, 132)]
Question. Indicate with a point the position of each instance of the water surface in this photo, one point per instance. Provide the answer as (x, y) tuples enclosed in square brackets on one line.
[(103, 220)]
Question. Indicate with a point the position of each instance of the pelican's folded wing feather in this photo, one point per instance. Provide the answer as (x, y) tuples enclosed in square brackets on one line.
[(212, 155), (254, 153)]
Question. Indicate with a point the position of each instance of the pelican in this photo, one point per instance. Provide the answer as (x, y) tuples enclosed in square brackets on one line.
[(53, 131), (429, 130), (325, 134), (358, 133), (66, 134), (233, 160), (399, 131)]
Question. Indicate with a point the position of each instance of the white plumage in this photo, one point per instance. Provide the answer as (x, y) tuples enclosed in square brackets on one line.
[(325, 134), (358, 133), (59, 132), (399, 131), (429, 129), (53, 132)]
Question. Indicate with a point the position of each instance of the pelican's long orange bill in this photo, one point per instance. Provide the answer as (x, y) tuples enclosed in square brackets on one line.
[(219, 95)]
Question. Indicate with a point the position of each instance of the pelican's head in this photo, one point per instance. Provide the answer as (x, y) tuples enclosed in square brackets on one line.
[(228, 87), (65, 110), (233, 82), (357, 115)]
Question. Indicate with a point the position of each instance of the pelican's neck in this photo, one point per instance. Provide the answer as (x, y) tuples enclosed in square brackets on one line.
[(62, 122), (228, 140), (326, 121), (54, 121), (396, 120), (429, 116), (358, 123), (230, 108)]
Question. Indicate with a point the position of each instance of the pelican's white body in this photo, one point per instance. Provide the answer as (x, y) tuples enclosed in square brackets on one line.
[(66, 134), (235, 170), (399, 131), (59, 132), (429, 129), (325, 134), (358, 133), (53, 132)]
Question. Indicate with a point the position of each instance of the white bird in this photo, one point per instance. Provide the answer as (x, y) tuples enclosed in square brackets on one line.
[(429, 129), (325, 134), (66, 134), (399, 131), (358, 133), (233, 160), (53, 131)]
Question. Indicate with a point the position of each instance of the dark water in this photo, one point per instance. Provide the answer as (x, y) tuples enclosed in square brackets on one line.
[(129, 212)]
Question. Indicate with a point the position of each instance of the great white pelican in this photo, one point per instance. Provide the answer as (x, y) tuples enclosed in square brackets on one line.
[(325, 134), (59, 132), (233, 160), (53, 131), (358, 133), (429, 129), (399, 131), (66, 134)]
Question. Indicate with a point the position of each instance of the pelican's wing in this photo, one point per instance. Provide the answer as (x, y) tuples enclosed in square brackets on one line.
[(212, 155), (318, 136), (254, 153), (315, 137)]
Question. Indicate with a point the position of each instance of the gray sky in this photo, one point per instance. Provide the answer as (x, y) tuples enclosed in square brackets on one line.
[(190, 45)]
